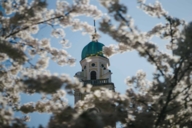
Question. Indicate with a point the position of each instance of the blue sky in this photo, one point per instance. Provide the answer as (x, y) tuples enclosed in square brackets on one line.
[(122, 65)]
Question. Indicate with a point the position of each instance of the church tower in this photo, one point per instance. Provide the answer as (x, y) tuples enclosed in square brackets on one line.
[(95, 68)]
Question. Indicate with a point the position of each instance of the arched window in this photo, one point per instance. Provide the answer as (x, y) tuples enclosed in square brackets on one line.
[(93, 75)]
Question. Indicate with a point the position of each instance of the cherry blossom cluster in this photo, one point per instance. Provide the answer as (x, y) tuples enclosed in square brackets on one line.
[(161, 102)]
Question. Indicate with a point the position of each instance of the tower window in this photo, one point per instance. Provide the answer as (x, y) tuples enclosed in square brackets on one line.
[(93, 64), (93, 75), (84, 67), (102, 65)]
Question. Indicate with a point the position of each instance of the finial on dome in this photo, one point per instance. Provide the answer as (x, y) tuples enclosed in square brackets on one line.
[(95, 27), (95, 36)]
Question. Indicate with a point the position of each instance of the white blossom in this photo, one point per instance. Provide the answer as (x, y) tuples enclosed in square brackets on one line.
[(43, 62), (58, 33), (109, 51), (3, 57), (65, 43), (45, 43), (34, 29)]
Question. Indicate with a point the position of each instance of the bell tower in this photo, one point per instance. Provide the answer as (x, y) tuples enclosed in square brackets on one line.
[(95, 71), (95, 68)]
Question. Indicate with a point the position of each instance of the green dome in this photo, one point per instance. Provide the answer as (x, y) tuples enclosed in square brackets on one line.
[(92, 49)]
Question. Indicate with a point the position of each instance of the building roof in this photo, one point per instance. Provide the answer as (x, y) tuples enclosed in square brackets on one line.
[(92, 49)]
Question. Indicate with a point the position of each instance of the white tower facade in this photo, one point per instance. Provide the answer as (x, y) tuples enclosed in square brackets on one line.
[(95, 69)]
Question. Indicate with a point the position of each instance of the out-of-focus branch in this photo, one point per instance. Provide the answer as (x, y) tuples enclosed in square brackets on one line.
[(173, 85), (175, 79), (150, 56), (41, 22), (140, 101)]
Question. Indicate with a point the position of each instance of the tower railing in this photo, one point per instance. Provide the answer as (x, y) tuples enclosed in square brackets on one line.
[(96, 82)]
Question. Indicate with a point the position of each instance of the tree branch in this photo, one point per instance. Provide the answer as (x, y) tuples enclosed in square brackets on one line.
[(173, 85), (41, 22), (150, 56), (140, 101)]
